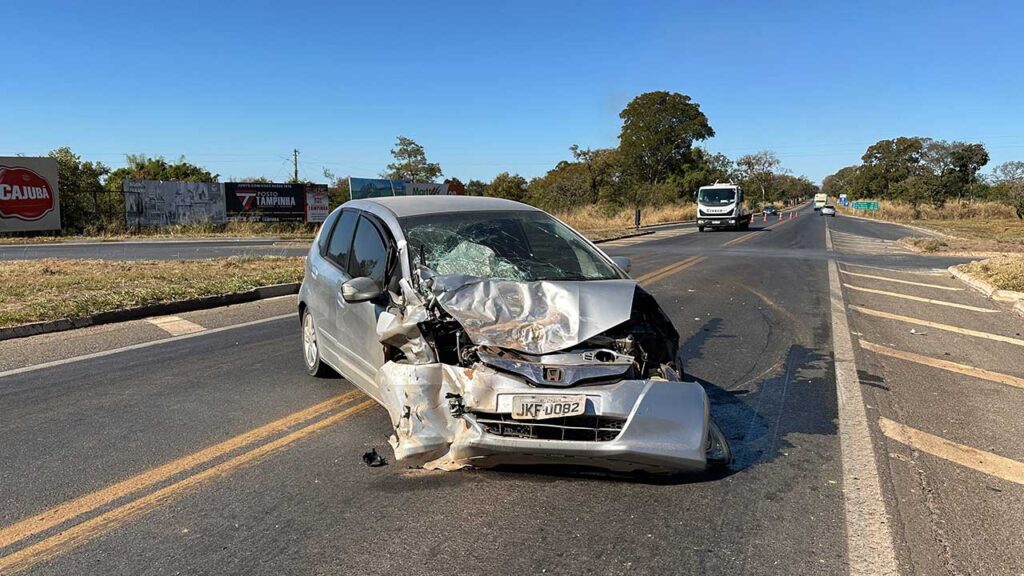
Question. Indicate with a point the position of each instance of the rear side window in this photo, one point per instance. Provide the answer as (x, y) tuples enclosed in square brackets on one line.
[(341, 239), (325, 231), (369, 253)]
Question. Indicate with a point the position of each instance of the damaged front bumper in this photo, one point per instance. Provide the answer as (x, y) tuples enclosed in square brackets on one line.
[(448, 417)]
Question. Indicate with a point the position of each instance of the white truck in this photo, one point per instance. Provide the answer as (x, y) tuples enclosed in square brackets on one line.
[(721, 206)]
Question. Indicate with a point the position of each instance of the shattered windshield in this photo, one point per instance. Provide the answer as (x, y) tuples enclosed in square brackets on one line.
[(717, 196), (507, 245)]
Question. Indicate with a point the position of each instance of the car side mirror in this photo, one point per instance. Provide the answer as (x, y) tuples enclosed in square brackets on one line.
[(622, 262), (360, 290)]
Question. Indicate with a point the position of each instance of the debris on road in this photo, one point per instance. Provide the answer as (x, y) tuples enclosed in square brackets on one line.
[(373, 459)]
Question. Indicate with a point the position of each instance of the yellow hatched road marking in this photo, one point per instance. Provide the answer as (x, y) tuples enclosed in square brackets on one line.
[(979, 460), (920, 299), (926, 285), (919, 272), (80, 533), (73, 508), (945, 365), (937, 325)]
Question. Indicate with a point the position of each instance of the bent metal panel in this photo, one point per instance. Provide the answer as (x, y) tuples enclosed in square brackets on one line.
[(29, 194)]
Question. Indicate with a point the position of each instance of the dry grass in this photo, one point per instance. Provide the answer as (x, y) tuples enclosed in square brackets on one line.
[(39, 290), (598, 222), (231, 229), (900, 212), (1003, 272)]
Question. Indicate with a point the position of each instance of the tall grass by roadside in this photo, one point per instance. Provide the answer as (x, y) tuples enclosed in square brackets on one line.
[(901, 212), (50, 289), (598, 221), (1003, 272)]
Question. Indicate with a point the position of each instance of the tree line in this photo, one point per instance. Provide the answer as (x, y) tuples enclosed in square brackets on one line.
[(919, 171), (658, 160)]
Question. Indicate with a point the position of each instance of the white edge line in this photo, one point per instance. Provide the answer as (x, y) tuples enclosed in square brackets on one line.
[(110, 352), (869, 546)]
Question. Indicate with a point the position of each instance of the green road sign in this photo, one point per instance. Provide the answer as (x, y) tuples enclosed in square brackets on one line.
[(863, 205)]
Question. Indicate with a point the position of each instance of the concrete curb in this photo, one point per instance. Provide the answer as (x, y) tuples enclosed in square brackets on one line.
[(176, 307), (630, 235), (1009, 296)]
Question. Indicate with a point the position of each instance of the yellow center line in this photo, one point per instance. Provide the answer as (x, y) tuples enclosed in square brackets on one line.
[(661, 273), (924, 284), (945, 365), (665, 269), (920, 299), (979, 460), (937, 325), (73, 508), (80, 533), (665, 272)]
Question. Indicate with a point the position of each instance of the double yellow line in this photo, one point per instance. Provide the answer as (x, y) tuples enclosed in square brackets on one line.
[(666, 271), (83, 531)]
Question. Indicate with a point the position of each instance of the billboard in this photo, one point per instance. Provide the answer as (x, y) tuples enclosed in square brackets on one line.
[(265, 202), (318, 204), (29, 194), (375, 188), (426, 189), (166, 203), (379, 187)]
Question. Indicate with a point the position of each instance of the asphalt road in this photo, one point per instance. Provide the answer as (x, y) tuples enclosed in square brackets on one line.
[(172, 457)]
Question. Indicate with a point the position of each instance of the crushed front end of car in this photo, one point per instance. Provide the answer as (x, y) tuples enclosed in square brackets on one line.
[(486, 372)]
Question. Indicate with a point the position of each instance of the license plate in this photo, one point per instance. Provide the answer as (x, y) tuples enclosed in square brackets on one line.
[(546, 406)]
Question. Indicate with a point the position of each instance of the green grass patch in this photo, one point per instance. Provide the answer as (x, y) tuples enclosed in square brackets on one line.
[(51, 289)]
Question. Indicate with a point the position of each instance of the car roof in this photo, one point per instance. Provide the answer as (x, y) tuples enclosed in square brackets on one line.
[(402, 206)]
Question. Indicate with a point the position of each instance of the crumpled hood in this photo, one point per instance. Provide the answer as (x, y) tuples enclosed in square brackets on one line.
[(534, 317)]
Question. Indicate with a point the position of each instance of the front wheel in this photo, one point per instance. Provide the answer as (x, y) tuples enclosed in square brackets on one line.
[(311, 348), (700, 228)]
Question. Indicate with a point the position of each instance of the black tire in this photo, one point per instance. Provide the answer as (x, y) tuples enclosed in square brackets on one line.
[(700, 228), (311, 349)]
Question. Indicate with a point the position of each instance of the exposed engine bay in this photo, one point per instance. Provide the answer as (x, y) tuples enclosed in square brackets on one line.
[(483, 372)]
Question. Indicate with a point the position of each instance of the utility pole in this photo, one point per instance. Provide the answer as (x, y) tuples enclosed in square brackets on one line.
[(295, 160)]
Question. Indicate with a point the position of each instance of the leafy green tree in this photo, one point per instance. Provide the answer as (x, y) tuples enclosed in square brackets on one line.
[(888, 162), (705, 168), (84, 205), (1008, 181), (411, 163), (142, 167), (658, 132), (476, 188), (510, 186), (567, 185), (758, 172), (967, 160), (845, 181), (337, 188)]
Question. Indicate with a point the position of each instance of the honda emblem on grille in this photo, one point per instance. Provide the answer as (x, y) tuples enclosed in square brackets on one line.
[(552, 374)]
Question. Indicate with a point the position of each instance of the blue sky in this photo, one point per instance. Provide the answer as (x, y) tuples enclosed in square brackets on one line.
[(494, 86)]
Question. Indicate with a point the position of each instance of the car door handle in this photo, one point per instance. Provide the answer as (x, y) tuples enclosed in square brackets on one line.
[(314, 271)]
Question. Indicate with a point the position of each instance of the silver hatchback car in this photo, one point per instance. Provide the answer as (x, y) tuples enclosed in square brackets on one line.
[(495, 334)]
